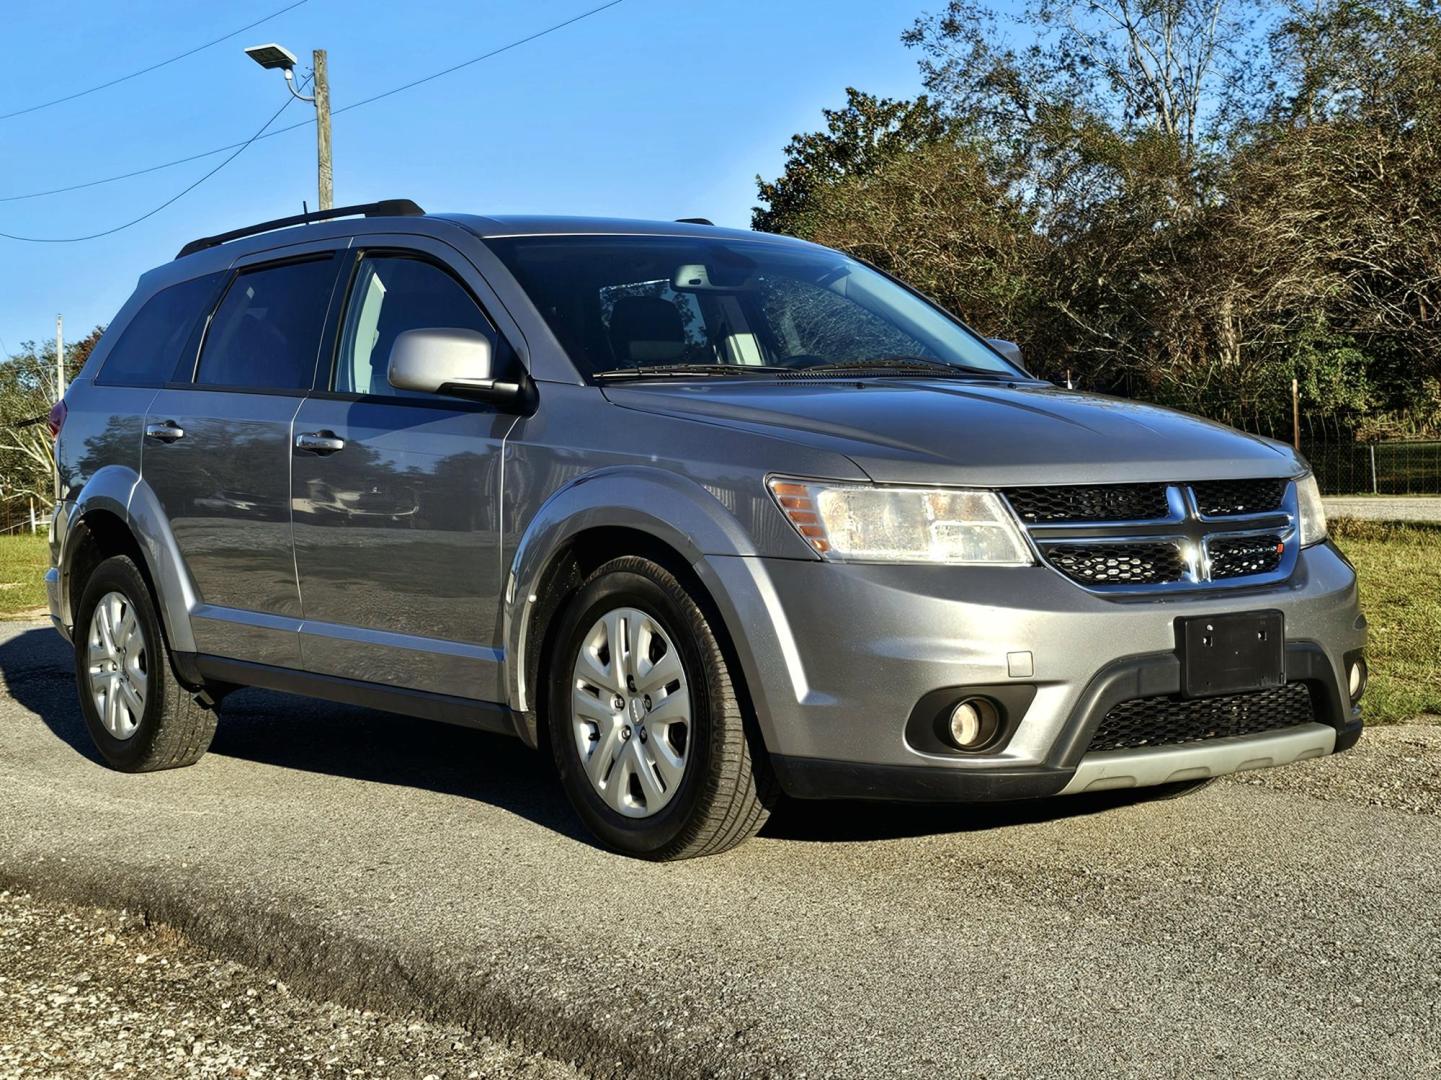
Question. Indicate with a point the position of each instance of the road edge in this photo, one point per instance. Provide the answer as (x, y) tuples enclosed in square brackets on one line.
[(347, 970)]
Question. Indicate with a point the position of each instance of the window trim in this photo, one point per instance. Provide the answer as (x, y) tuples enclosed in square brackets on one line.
[(330, 255), (325, 388)]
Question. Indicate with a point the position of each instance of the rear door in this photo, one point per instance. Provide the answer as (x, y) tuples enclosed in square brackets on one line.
[(217, 452), (397, 493)]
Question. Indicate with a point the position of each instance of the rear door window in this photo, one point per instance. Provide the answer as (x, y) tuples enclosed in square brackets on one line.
[(162, 337), (266, 333)]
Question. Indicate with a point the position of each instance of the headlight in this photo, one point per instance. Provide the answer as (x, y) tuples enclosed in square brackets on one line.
[(1313, 514), (861, 523)]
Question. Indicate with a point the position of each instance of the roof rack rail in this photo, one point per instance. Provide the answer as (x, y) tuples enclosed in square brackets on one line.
[(694, 221), (384, 208)]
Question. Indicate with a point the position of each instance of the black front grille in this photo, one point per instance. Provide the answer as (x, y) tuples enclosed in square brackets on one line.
[(1167, 721), (1226, 498), (1117, 564), (1238, 556), (1110, 502)]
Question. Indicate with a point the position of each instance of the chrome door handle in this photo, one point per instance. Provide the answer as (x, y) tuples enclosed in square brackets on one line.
[(319, 442), (167, 432)]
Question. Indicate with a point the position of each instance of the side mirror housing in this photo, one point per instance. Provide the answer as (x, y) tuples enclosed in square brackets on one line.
[(453, 361), (1009, 349)]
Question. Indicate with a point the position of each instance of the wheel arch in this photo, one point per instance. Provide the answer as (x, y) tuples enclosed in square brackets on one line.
[(117, 513), (599, 517)]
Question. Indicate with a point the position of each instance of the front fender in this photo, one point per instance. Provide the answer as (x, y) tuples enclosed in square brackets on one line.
[(119, 490), (673, 509)]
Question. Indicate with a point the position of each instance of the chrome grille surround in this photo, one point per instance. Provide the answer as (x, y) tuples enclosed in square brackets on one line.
[(1071, 547)]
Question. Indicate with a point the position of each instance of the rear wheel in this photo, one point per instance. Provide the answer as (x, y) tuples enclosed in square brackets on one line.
[(645, 722), (139, 716)]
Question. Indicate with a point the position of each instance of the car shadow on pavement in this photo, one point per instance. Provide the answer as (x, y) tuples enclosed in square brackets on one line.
[(362, 744), (317, 736), (821, 822), (386, 748), (37, 670)]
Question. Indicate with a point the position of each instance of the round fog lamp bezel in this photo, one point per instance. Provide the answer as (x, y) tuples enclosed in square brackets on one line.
[(974, 712), (1356, 677)]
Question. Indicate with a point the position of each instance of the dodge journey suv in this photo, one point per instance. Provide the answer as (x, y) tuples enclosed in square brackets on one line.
[(707, 516)]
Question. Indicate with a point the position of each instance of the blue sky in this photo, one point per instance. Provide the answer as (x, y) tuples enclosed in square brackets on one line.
[(650, 109)]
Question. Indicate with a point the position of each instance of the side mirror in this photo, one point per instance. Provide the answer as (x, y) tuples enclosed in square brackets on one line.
[(451, 361), (1009, 349)]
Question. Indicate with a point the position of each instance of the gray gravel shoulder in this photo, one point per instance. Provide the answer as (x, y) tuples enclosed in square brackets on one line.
[(1391, 767), (86, 992)]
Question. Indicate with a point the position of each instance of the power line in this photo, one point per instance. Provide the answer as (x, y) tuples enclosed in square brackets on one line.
[(291, 127), (178, 195), (152, 67), (484, 56)]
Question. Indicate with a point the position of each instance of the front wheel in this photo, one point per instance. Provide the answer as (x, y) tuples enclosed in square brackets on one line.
[(139, 716), (645, 722)]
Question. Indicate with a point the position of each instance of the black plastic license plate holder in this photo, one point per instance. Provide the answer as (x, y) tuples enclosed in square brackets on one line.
[(1236, 653)]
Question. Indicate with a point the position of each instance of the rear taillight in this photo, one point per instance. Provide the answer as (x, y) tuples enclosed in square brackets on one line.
[(57, 419)]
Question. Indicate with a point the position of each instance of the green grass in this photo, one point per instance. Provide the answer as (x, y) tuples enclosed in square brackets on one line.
[(1399, 566), (23, 561), (1400, 571)]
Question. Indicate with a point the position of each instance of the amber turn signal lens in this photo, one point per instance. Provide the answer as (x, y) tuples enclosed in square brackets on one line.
[(800, 509)]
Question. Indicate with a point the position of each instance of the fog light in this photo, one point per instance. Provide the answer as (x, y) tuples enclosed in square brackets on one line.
[(1356, 679), (974, 722)]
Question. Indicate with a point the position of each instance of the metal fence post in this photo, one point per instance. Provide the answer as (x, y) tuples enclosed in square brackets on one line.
[(1374, 489)]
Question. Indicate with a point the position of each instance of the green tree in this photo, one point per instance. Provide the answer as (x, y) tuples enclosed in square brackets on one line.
[(1192, 201), (27, 392)]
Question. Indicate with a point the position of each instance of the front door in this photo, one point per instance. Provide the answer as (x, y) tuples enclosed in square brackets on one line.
[(217, 451), (396, 499)]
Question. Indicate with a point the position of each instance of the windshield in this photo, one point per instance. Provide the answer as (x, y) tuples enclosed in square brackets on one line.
[(644, 304)]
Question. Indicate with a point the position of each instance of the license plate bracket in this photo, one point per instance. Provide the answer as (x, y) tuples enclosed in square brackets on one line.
[(1231, 654)]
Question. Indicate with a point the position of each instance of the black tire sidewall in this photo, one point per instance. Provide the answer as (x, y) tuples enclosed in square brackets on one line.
[(119, 574), (604, 593)]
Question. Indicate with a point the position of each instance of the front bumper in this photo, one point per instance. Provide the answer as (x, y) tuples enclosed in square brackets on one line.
[(836, 656)]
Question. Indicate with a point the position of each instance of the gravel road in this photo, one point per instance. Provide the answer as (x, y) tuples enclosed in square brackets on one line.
[(1279, 925), (86, 992), (1385, 508)]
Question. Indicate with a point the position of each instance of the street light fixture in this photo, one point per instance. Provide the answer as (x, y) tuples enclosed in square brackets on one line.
[(271, 56)]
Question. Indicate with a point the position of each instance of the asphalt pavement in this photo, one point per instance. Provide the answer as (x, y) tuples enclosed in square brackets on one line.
[(1283, 925)]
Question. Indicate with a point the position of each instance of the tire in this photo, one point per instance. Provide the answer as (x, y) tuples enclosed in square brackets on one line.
[(724, 790), (169, 729)]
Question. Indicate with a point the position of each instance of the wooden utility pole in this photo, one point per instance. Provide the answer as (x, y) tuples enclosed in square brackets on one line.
[(322, 130), (1296, 414), (59, 357), (59, 386)]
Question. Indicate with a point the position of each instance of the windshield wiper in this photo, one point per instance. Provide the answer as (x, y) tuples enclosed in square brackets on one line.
[(912, 365), (649, 371)]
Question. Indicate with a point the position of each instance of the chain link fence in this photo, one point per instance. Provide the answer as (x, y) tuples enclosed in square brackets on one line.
[(1381, 468)]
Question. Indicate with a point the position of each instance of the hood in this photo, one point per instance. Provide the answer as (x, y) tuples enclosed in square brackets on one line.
[(920, 431)]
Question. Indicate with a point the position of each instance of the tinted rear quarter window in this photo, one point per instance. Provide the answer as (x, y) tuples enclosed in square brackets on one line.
[(162, 336), (266, 332)]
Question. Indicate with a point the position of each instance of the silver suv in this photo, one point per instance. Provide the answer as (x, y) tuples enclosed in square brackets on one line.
[(708, 516)]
